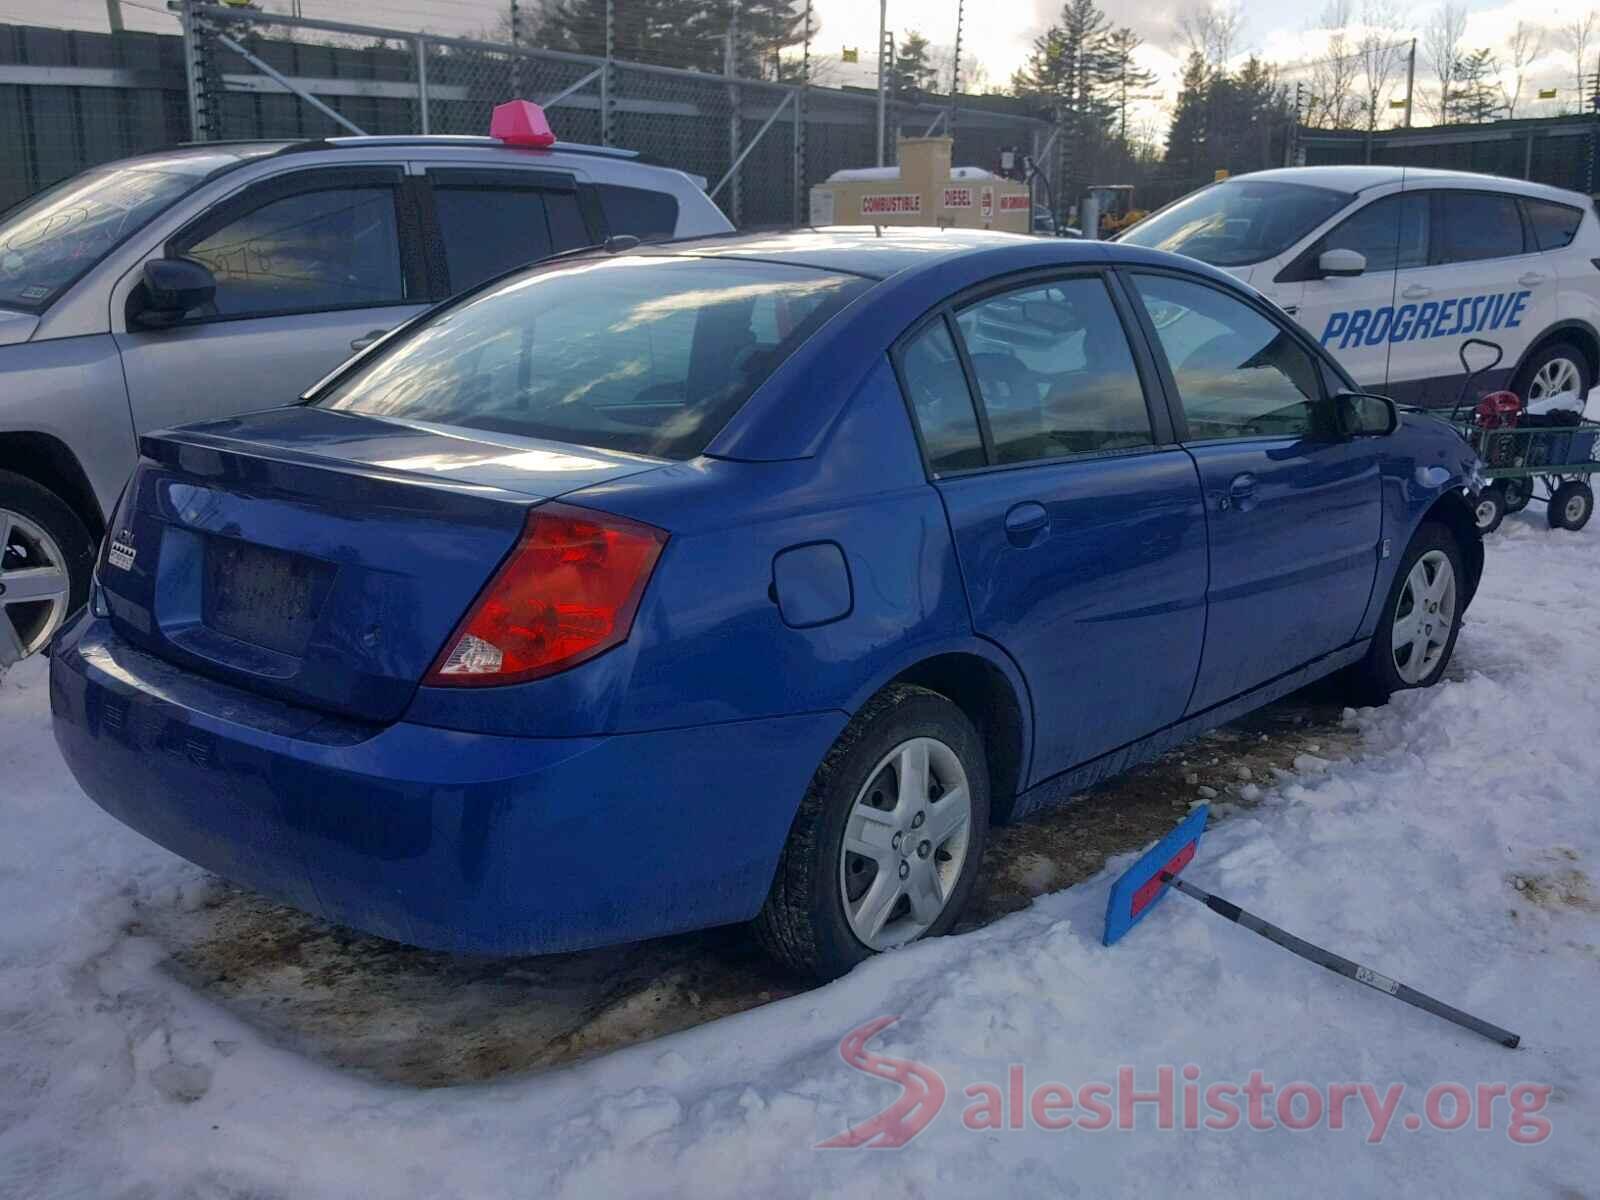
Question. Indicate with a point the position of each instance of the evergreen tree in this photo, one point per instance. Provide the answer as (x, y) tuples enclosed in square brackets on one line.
[(1190, 126), (1126, 76), (1474, 96), (913, 74)]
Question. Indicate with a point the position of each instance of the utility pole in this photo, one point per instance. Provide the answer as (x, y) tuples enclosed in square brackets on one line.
[(114, 15), (1411, 79), (885, 65)]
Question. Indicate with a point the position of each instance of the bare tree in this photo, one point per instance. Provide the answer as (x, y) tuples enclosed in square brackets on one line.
[(1334, 72), (1575, 38), (1213, 31), (1525, 44), (1382, 51), (1441, 46)]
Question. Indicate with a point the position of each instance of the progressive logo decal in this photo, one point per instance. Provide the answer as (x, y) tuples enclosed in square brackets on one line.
[(1415, 322)]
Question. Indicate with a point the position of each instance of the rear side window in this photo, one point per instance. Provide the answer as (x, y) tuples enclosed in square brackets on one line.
[(646, 214), (644, 355), (1477, 225), (1554, 225), (307, 252), (1392, 233), (490, 227), (941, 400), (1054, 372)]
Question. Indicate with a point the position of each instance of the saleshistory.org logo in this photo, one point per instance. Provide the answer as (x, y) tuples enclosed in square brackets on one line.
[(1178, 1100)]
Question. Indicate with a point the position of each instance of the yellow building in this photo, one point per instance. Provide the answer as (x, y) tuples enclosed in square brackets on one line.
[(923, 190)]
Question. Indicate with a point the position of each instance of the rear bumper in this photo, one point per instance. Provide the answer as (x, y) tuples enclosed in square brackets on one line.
[(434, 837)]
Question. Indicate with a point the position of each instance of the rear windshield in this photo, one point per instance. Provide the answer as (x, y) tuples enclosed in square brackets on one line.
[(47, 242), (644, 355), (1239, 222)]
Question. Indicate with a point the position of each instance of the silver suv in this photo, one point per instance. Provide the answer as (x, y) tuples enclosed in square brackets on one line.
[(218, 278)]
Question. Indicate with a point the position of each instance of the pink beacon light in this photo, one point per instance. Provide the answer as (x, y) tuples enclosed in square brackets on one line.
[(521, 123)]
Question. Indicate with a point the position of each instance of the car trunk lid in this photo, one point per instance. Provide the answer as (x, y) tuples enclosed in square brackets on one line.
[(323, 558)]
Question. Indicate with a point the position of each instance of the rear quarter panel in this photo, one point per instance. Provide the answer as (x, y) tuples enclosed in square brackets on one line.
[(709, 643)]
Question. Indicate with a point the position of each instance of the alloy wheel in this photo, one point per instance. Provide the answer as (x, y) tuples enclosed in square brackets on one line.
[(905, 842), (1424, 616), (34, 587), (1555, 377)]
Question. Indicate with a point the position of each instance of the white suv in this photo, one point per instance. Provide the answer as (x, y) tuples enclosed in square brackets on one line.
[(1393, 268)]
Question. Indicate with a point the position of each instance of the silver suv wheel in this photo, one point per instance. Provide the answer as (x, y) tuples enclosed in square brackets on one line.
[(34, 587)]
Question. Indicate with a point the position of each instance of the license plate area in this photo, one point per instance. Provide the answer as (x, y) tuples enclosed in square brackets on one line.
[(265, 597)]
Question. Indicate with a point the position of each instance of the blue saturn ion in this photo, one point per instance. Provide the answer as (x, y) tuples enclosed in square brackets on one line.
[(744, 579)]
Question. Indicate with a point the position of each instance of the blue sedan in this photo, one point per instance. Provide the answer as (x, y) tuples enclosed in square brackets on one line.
[(748, 579)]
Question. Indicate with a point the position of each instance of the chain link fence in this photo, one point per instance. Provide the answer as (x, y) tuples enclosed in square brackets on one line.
[(759, 144)]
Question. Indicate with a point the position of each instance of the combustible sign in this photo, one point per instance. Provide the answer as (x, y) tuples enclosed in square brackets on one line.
[(882, 206), (1013, 202)]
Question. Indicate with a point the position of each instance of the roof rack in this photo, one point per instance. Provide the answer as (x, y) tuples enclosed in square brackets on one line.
[(448, 139)]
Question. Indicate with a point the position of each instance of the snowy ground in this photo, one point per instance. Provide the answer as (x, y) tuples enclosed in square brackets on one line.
[(1457, 851)]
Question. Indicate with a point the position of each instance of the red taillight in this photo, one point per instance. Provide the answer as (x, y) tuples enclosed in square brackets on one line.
[(567, 592)]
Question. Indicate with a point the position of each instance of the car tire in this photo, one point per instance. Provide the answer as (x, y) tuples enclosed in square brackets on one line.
[(1516, 493), (1489, 509), (38, 530), (1388, 668), (1571, 506), (1551, 364), (825, 899)]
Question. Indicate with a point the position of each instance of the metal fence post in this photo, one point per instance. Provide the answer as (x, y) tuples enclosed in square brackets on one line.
[(420, 44), (607, 82), (193, 71), (802, 214), (735, 118)]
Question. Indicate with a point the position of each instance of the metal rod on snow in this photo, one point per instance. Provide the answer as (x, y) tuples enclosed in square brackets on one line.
[(1339, 965)]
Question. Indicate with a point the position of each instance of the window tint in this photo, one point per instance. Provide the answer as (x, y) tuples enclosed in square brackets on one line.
[(1554, 225), (1478, 225), (644, 213), (650, 356), (941, 400), (1238, 373), (488, 230), (1054, 372), (1392, 233), (338, 248)]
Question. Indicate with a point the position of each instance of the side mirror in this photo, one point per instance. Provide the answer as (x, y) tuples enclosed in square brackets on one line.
[(172, 288), (1359, 414), (1341, 264)]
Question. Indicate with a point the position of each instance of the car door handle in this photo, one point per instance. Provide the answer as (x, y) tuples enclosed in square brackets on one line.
[(1241, 493), (1026, 523), (1530, 279), (367, 339), (1416, 292)]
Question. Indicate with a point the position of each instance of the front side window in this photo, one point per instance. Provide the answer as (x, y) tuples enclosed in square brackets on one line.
[(1238, 373), (1392, 233), (1238, 222), (307, 252), (1554, 225), (1054, 372), (1477, 225), (941, 400), (644, 355)]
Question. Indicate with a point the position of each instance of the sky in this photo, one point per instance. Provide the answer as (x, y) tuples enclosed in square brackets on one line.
[(996, 36)]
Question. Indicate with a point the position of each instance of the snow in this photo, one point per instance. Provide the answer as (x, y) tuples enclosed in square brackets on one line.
[(1457, 851)]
